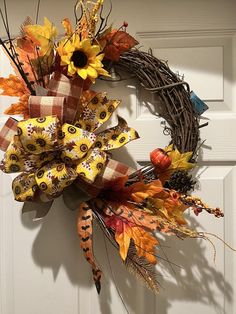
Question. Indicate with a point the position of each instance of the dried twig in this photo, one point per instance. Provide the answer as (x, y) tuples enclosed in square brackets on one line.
[(178, 110)]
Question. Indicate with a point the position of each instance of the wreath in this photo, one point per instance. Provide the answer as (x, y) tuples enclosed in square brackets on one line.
[(59, 149)]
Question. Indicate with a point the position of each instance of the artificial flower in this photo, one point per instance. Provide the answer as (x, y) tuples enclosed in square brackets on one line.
[(81, 57)]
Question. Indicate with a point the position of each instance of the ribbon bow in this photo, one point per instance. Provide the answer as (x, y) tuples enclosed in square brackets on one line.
[(51, 157), (51, 154)]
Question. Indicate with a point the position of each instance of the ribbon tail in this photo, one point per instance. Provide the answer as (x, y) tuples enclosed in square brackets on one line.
[(85, 232)]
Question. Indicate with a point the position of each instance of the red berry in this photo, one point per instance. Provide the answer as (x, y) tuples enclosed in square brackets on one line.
[(160, 158), (125, 24)]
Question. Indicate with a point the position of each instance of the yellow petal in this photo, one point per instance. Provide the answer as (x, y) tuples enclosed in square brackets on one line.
[(82, 73), (85, 44), (94, 50), (92, 72), (100, 57), (65, 60), (71, 68), (103, 72)]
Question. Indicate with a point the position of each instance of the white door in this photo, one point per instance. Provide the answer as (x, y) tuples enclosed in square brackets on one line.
[(42, 270)]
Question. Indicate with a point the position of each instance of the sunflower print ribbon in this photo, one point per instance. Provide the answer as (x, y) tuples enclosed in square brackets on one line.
[(51, 156)]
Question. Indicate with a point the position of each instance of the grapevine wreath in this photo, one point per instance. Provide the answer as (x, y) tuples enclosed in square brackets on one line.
[(58, 148)]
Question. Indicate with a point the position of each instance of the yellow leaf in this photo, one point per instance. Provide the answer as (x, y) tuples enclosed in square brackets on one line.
[(42, 35), (179, 160)]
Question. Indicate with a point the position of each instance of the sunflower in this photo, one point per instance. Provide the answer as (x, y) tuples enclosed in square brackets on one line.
[(42, 142), (14, 161), (81, 57)]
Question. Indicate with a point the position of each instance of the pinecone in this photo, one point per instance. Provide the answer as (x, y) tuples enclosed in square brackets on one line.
[(180, 181)]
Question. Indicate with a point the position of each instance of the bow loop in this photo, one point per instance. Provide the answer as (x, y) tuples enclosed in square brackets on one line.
[(75, 142), (51, 157), (38, 135), (54, 177)]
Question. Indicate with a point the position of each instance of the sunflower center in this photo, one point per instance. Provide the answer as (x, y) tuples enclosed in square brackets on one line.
[(79, 58)]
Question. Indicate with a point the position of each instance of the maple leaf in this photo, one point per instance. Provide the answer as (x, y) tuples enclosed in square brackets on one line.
[(126, 231), (179, 160), (12, 86), (19, 108), (144, 242), (169, 205), (115, 43)]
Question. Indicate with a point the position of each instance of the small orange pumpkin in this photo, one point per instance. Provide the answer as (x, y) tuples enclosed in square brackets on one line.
[(160, 158)]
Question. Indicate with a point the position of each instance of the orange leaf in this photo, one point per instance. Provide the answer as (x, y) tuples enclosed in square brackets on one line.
[(66, 23), (117, 42), (141, 191), (145, 244), (123, 239), (19, 108), (12, 86)]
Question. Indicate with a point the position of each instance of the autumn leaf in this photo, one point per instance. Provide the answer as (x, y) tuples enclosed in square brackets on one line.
[(123, 239), (66, 23), (140, 191), (42, 36), (179, 160), (169, 205), (115, 43), (13, 86), (19, 108), (145, 243)]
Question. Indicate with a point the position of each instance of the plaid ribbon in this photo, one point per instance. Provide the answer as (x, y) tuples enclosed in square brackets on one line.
[(41, 106), (113, 170), (60, 85), (62, 100), (7, 133)]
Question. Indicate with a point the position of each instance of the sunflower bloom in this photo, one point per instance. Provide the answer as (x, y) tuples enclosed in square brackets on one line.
[(81, 57)]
